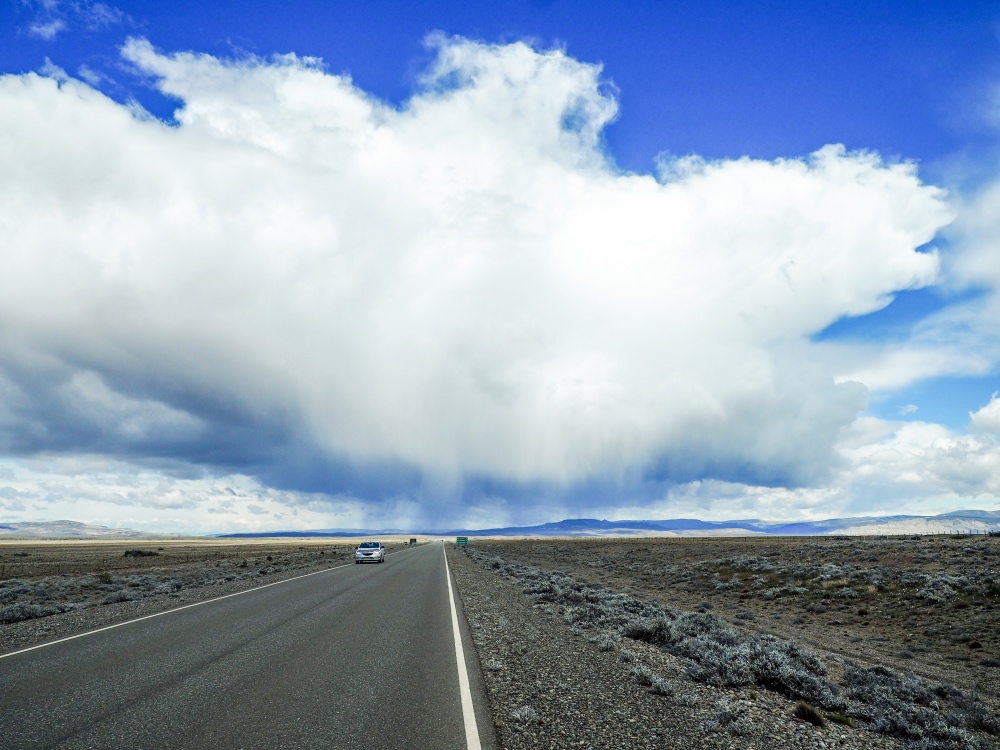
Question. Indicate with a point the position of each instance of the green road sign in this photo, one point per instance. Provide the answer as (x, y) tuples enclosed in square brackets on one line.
[(461, 540)]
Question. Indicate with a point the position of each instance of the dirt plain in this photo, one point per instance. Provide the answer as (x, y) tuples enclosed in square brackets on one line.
[(927, 605), (920, 606)]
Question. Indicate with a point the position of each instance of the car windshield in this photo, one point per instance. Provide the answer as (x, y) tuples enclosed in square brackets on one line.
[(369, 545)]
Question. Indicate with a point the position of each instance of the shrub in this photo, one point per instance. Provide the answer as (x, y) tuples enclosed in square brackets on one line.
[(25, 611), (524, 715), (140, 553), (838, 718), (661, 687), (730, 716), (12, 589), (648, 678), (907, 707), (733, 583), (721, 656), (808, 713), (942, 587), (122, 596), (609, 643)]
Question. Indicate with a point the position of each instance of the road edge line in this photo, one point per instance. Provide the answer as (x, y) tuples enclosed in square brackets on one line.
[(169, 611), (468, 710)]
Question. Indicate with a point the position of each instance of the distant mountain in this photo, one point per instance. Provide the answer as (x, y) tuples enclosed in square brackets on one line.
[(962, 521), (956, 522), (66, 530), (314, 532)]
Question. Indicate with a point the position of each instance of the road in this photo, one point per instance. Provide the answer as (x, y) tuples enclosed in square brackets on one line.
[(357, 656)]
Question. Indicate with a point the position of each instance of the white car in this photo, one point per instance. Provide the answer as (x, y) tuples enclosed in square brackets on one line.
[(369, 552)]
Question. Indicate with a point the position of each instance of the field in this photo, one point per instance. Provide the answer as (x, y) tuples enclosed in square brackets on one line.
[(930, 605), (896, 638), (53, 588), (41, 558)]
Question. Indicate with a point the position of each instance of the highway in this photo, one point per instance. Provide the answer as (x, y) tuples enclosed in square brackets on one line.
[(360, 656)]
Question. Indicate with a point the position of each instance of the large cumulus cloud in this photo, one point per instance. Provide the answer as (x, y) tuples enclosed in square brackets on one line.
[(298, 282)]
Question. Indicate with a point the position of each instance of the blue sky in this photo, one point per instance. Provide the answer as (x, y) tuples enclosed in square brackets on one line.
[(459, 265)]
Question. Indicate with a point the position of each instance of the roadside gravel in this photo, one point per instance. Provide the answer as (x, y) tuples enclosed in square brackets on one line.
[(551, 687)]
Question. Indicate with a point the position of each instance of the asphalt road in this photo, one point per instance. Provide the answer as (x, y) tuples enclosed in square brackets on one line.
[(361, 656)]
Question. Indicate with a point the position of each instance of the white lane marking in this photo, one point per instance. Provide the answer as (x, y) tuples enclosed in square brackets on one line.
[(170, 611), (468, 710)]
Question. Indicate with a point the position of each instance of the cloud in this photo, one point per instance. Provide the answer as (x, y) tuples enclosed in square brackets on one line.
[(986, 419), (91, 76), (962, 339), (47, 30), (97, 490), (883, 468), (52, 17), (892, 463), (98, 15), (296, 282)]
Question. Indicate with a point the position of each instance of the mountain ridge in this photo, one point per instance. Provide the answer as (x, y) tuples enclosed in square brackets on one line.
[(962, 521), (953, 522)]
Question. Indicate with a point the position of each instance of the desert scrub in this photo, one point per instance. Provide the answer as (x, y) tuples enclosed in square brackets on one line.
[(648, 678), (25, 611), (717, 653), (909, 707), (729, 716), (806, 712), (524, 715), (941, 588), (721, 655), (50, 595)]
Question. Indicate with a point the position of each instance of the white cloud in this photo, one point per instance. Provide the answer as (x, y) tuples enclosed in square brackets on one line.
[(47, 30), (52, 17), (962, 339), (912, 461), (118, 494), (98, 15), (986, 419), (885, 468), (463, 287), (91, 76)]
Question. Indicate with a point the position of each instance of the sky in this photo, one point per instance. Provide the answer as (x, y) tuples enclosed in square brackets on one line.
[(321, 265)]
